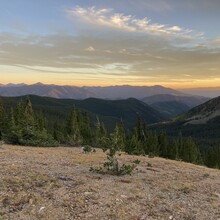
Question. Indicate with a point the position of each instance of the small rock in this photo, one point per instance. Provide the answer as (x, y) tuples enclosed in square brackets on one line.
[(88, 193), (124, 196), (41, 209), (65, 178)]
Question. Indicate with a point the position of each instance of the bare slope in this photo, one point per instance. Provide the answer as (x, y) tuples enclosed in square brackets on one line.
[(201, 122), (203, 113), (55, 183)]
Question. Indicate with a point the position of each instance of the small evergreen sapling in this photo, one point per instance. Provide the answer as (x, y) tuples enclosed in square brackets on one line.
[(114, 145)]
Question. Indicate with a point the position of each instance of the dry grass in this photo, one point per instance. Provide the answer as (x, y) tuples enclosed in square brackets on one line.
[(55, 183)]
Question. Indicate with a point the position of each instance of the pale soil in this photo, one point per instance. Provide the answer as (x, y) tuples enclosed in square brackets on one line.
[(55, 183)]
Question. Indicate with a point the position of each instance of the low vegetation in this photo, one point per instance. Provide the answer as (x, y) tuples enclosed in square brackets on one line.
[(55, 183)]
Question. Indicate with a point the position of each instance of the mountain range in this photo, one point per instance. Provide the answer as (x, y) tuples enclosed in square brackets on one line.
[(168, 101), (75, 92)]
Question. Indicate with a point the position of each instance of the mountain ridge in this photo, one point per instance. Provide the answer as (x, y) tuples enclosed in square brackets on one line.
[(109, 111), (201, 122), (190, 101), (76, 92)]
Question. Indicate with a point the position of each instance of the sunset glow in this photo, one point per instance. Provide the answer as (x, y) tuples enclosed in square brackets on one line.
[(141, 42)]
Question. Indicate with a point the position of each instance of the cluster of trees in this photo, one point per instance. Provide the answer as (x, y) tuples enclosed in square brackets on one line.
[(23, 126), (142, 141), (212, 157)]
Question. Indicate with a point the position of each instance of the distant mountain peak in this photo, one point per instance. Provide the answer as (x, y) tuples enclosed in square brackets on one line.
[(39, 84)]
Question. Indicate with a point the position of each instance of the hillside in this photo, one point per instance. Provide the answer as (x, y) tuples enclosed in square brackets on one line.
[(108, 111), (170, 109), (55, 183), (188, 100), (201, 122), (202, 114), (75, 92)]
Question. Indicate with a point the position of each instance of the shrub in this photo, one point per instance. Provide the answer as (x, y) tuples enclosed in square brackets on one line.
[(87, 149)]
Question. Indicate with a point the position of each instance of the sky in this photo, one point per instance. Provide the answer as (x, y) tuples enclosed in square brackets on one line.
[(173, 43)]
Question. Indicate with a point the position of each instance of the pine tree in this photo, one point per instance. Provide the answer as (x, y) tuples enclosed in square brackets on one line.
[(29, 114), (163, 144), (85, 129), (73, 128), (140, 129), (19, 114), (136, 144), (212, 157), (13, 132), (180, 144), (118, 137), (190, 151), (174, 150), (152, 145), (100, 134), (115, 144), (40, 121), (58, 132)]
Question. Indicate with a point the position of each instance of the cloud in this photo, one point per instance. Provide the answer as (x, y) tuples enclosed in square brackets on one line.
[(119, 56), (107, 18), (90, 49), (175, 28), (217, 40)]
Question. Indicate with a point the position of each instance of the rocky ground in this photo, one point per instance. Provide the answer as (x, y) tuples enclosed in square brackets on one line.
[(55, 183)]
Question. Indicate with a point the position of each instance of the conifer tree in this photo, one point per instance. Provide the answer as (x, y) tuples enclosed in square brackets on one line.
[(115, 144), (29, 114), (86, 131), (190, 151), (180, 144), (19, 114), (58, 132), (118, 136), (137, 143), (174, 150), (163, 144), (73, 129), (152, 145), (40, 121), (100, 134)]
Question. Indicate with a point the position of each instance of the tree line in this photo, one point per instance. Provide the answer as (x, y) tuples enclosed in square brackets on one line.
[(24, 126)]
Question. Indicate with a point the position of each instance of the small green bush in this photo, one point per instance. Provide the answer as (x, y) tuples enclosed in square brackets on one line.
[(87, 149)]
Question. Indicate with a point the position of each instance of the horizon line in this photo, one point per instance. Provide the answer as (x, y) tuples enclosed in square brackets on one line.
[(103, 86)]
